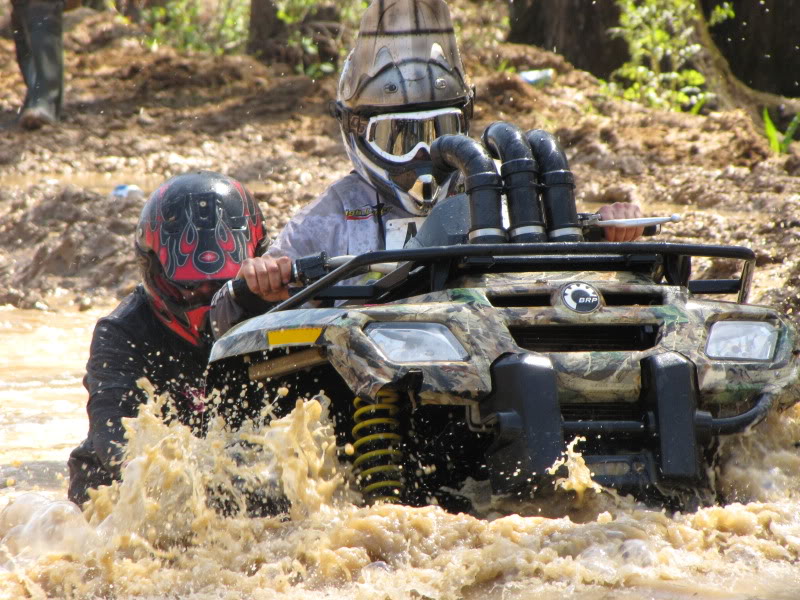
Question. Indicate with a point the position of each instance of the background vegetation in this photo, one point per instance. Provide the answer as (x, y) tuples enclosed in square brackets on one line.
[(662, 53)]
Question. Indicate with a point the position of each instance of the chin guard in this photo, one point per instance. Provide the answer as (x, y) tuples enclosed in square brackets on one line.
[(423, 191)]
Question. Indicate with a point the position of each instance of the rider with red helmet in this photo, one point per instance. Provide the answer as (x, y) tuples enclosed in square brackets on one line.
[(195, 232), (193, 236)]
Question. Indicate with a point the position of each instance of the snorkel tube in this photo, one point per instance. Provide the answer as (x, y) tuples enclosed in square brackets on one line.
[(520, 181), (483, 184), (558, 194)]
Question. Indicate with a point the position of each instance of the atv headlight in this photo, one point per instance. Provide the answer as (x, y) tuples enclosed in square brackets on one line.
[(415, 342), (742, 340)]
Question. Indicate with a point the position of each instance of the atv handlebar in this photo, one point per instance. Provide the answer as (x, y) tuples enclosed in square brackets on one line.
[(305, 271), (308, 269), (592, 226), (593, 220)]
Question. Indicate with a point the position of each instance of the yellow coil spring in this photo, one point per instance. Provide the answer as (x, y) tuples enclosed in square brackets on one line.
[(375, 442)]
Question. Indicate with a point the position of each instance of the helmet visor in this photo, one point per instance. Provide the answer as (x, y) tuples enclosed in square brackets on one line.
[(398, 137)]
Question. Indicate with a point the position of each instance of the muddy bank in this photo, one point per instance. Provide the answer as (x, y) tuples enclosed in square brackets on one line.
[(135, 115)]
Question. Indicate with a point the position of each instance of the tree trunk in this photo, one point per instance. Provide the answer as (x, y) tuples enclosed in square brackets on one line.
[(266, 29), (575, 29), (762, 43), (731, 92)]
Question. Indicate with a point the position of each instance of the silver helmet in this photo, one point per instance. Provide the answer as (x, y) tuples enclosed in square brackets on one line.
[(402, 86)]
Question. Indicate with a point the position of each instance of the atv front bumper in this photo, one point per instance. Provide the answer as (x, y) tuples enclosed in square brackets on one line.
[(665, 444)]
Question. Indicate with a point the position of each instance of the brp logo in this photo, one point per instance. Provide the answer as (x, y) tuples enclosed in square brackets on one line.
[(580, 297)]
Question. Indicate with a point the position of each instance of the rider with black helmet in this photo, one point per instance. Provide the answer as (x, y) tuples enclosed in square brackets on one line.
[(195, 232), (402, 86)]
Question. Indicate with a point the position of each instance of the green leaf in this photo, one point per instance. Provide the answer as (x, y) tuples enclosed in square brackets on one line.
[(720, 13), (790, 131), (698, 105), (771, 132)]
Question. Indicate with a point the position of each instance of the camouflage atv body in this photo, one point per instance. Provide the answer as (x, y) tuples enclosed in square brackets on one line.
[(485, 360)]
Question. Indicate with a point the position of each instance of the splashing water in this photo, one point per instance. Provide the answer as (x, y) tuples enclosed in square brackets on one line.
[(154, 536)]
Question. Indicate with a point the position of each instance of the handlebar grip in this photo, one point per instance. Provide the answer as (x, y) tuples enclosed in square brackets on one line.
[(595, 234), (244, 297), (240, 288)]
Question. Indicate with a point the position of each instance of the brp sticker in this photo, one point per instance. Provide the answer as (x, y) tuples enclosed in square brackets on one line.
[(580, 297)]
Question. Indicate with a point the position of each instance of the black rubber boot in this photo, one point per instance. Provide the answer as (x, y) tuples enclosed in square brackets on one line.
[(37, 26)]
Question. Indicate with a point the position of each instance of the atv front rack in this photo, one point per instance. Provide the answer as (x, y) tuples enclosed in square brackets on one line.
[(435, 265)]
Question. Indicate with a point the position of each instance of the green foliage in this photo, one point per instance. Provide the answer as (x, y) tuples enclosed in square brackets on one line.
[(221, 26), (660, 39), (505, 66), (313, 67), (197, 25), (777, 141), (295, 14), (720, 13)]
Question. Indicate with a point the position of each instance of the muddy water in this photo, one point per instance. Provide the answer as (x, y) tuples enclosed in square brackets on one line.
[(102, 183), (42, 359), (154, 537)]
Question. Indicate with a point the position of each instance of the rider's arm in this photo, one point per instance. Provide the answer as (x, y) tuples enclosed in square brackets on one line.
[(266, 276), (114, 366), (225, 311), (317, 227)]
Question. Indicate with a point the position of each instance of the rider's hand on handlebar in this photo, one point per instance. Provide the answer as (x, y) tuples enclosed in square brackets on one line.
[(621, 210), (267, 277)]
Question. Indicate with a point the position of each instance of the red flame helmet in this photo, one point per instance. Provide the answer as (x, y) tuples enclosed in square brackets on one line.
[(194, 233)]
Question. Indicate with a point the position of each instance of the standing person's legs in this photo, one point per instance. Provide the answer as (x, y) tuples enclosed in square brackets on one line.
[(37, 26)]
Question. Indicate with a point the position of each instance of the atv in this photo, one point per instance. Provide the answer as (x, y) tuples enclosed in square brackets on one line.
[(500, 332)]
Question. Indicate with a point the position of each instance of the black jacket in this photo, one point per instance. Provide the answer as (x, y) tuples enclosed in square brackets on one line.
[(127, 345)]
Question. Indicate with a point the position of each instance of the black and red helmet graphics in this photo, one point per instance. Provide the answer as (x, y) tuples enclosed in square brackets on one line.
[(194, 233)]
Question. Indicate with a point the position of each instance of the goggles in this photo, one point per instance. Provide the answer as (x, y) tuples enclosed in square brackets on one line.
[(398, 137)]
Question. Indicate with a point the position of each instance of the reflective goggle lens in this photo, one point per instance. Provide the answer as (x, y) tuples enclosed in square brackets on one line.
[(398, 137)]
